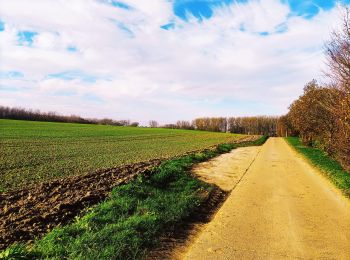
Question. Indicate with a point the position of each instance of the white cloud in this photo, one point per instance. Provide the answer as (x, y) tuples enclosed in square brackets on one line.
[(145, 72)]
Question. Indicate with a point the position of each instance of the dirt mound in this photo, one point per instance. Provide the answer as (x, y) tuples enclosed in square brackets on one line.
[(31, 212)]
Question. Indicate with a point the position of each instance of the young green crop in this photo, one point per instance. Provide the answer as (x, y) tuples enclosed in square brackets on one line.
[(33, 152)]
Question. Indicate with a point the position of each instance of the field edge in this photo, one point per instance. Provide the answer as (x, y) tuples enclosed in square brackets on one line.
[(161, 175)]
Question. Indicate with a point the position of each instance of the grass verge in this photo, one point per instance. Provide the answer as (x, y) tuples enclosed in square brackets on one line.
[(331, 168), (133, 217)]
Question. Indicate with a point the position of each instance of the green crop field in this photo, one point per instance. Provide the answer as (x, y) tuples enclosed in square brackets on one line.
[(32, 152)]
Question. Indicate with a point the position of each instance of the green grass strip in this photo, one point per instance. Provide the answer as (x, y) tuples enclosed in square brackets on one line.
[(331, 168), (132, 218)]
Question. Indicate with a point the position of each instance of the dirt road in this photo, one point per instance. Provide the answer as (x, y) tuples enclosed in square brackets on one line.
[(281, 208)]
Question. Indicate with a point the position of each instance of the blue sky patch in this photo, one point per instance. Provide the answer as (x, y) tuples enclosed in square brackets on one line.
[(201, 9), (281, 28), (264, 33), (118, 4), (2, 26), (74, 75), (310, 8), (125, 29), (168, 26), (72, 49), (11, 74), (26, 37), (242, 27)]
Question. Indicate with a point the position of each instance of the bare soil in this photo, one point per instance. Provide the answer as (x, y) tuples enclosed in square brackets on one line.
[(28, 213)]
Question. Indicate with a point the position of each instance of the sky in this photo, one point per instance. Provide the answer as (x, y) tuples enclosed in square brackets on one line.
[(163, 60)]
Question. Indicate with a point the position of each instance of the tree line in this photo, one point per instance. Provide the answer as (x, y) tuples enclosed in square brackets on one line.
[(321, 115), (255, 125), (37, 115)]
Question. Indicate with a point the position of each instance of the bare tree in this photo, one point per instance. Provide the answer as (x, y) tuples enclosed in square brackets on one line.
[(257, 125), (37, 115), (153, 123), (184, 125), (338, 54)]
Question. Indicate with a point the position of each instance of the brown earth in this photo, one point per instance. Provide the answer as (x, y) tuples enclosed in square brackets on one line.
[(31, 212), (282, 208), (28, 213)]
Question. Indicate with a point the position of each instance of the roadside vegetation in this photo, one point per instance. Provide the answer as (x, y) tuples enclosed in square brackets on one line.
[(321, 115), (330, 167), (131, 220), (33, 152)]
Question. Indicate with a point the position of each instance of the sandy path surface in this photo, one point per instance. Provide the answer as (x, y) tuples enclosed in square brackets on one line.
[(282, 208), (228, 169)]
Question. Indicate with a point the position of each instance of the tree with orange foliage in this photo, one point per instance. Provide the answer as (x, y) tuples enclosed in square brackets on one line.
[(338, 54)]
